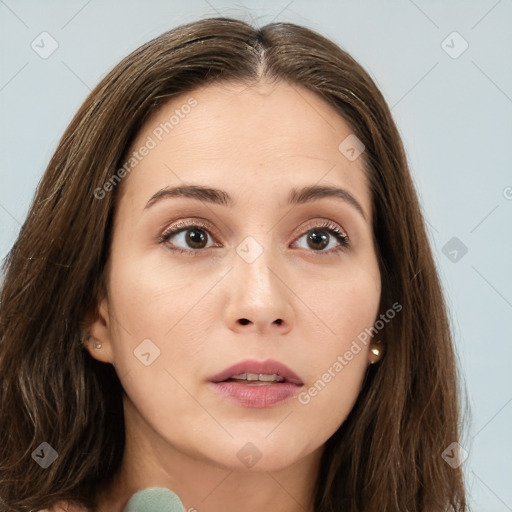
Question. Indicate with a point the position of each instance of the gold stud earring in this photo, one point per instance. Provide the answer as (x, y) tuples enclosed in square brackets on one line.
[(376, 352)]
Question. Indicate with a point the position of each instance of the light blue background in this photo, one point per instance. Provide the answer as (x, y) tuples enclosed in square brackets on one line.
[(455, 116)]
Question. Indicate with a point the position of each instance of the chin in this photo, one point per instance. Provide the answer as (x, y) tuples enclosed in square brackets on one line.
[(260, 455)]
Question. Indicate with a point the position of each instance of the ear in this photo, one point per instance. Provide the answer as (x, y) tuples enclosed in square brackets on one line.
[(98, 340), (376, 352)]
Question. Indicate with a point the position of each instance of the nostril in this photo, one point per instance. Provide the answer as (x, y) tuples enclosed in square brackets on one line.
[(244, 321)]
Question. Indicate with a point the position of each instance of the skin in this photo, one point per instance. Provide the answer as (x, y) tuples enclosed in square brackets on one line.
[(255, 143)]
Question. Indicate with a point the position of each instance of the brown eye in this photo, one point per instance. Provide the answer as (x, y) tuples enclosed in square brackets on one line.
[(196, 238), (328, 235), (318, 240), (183, 237)]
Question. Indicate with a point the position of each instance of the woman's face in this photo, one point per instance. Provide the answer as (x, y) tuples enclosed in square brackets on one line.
[(255, 271)]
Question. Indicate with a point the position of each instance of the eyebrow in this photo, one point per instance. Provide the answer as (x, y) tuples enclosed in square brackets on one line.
[(296, 196)]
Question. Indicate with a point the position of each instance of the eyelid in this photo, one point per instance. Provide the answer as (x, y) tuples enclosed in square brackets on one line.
[(187, 223), (324, 223)]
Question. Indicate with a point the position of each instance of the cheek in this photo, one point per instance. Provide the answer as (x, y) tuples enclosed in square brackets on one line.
[(155, 337), (154, 299), (343, 306), (347, 309), (160, 315)]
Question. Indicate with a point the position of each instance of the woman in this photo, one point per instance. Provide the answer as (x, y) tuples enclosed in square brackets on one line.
[(224, 288)]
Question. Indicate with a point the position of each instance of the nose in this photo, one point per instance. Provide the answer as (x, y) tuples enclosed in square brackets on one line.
[(259, 299)]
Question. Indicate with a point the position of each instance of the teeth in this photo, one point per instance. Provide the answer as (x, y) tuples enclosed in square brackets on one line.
[(261, 377), (270, 378)]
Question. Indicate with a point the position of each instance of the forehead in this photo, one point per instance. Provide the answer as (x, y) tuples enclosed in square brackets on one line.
[(265, 136)]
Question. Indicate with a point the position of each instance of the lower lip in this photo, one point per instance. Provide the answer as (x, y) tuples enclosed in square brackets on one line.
[(258, 396)]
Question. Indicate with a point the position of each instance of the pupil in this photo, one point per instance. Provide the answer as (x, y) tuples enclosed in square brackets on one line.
[(195, 237), (319, 238)]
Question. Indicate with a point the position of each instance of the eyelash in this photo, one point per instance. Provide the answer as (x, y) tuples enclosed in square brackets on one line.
[(328, 226)]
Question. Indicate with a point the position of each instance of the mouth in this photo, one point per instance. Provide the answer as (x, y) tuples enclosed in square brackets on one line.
[(252, 372), (257, 384), (256, 379)]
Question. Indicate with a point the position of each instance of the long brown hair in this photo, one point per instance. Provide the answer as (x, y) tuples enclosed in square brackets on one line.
[(386, 456)]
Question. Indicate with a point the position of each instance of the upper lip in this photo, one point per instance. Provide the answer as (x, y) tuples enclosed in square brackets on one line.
[(268, 367)]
